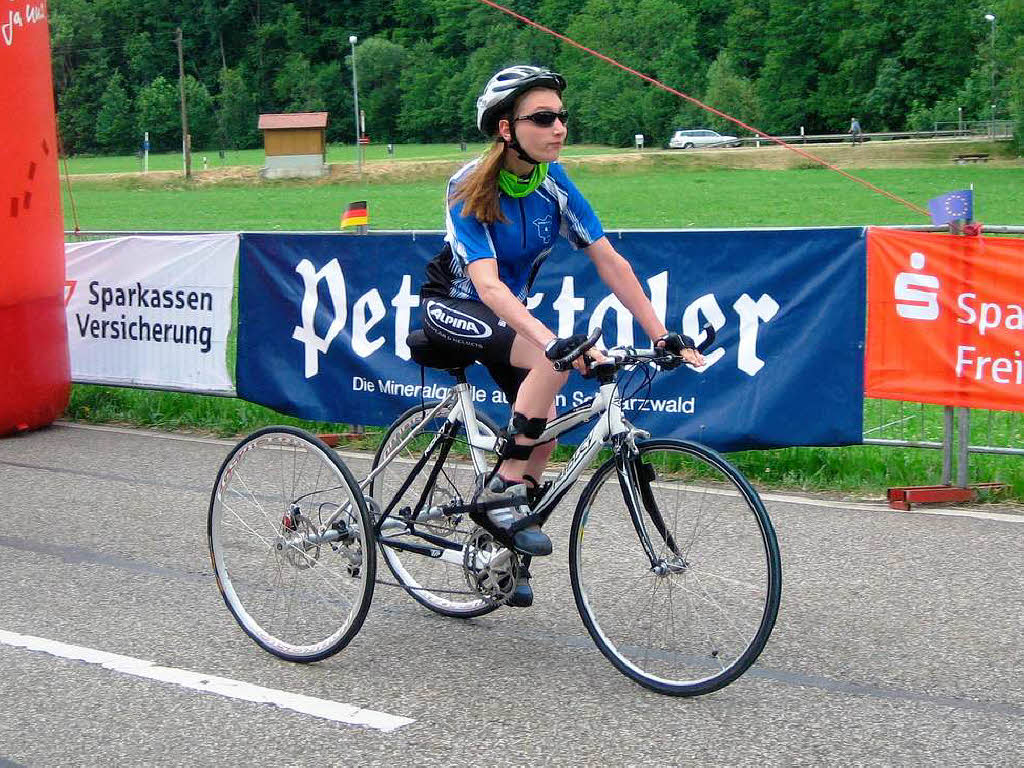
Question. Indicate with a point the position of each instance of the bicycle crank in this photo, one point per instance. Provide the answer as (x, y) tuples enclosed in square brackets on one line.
[(490, 568)]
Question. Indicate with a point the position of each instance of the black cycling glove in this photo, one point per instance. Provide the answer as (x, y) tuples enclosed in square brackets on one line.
[(559, 348), (674, 343)]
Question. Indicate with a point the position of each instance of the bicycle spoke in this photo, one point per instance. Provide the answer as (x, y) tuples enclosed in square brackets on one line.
[(252, 496), (698, 529), (245, 526), (702, 595), (759, 588)]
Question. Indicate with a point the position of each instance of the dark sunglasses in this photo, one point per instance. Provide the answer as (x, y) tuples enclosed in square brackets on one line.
[(545, 118)]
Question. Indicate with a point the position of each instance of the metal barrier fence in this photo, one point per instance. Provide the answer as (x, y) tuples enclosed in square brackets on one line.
[(957, 432), (980, 129), (976, 128)]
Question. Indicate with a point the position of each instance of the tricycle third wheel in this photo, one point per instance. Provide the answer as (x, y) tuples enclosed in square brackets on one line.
[(691, 612), (292, 544)]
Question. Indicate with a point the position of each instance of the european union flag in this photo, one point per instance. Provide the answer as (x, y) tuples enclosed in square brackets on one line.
[(952, 206)]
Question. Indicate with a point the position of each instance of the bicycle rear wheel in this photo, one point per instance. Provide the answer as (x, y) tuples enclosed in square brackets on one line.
[(301, 594), (699, 618), (437, 584)]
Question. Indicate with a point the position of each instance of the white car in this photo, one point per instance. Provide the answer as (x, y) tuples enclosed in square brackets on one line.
[(701, 138)]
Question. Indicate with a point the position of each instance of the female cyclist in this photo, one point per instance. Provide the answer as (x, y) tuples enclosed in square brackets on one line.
[(503, 212)]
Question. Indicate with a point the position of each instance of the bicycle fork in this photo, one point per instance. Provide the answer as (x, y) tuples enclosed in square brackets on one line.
[(635, 479)]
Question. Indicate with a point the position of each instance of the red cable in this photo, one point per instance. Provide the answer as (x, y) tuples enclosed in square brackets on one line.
[(704, 106), (67, 182)]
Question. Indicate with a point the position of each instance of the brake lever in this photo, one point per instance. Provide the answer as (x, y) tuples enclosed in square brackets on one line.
[(590, 371)]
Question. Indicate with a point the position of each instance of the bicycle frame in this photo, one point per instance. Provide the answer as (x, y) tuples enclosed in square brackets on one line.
[(611, 427)]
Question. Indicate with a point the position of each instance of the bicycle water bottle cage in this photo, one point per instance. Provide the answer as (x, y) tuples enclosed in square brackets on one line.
[(535, 490)]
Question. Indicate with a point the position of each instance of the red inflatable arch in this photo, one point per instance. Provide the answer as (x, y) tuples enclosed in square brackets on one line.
[(34, 367)]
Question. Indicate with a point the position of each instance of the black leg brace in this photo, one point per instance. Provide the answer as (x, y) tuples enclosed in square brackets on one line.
[(520, 425)]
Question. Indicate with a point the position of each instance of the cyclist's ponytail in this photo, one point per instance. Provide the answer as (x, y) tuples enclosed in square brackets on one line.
[(479, 190)]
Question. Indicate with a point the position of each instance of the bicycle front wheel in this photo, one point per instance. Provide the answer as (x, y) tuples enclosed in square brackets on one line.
[(698, 617), (300, 590)]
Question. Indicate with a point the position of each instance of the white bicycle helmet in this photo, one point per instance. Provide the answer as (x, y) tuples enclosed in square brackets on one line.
[(503, 89)]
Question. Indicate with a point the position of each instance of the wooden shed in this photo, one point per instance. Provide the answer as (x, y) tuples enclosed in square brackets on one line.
[(295, 144)]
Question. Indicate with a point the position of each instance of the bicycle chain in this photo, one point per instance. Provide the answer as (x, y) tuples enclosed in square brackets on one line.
[(375, 508), (474, 593)]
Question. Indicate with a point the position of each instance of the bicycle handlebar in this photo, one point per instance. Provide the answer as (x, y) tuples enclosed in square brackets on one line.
[(564, 363), (622, 356)]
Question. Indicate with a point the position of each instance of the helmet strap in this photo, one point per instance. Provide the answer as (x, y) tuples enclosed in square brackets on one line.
[(517, 147)]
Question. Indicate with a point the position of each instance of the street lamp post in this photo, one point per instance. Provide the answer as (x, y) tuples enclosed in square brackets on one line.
[(991, 19), (352, 39)]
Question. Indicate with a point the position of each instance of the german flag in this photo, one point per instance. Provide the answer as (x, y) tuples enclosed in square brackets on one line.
[(355, 215)]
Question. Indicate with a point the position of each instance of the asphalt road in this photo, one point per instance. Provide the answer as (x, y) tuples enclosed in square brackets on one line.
[(899, 641)]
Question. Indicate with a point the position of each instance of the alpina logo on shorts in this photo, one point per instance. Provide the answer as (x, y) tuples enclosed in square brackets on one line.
[(457, 323)]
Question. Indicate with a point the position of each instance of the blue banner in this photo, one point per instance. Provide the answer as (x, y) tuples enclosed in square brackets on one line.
[(323, 321)]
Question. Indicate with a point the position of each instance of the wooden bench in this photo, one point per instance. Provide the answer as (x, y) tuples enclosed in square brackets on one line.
[(978, 158)]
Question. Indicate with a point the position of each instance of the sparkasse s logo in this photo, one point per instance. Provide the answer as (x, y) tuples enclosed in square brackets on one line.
[(917, 294)]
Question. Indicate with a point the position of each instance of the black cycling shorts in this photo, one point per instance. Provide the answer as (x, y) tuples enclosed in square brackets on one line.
[(464, 325)]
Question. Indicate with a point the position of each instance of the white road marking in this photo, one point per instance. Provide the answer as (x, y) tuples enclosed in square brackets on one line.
[(222, 686), (140, 432)]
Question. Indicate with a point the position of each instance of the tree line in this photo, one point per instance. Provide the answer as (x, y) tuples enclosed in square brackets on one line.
[(778, 65)]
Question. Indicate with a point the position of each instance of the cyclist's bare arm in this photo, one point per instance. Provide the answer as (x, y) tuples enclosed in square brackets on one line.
[(499, 299), (618, 275)]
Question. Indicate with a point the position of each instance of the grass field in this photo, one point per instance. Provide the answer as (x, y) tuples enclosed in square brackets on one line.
[(336, 153), (623, 197), (672, 191)]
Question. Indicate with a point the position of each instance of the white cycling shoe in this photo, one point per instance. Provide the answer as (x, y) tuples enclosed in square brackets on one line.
[(512, 521)]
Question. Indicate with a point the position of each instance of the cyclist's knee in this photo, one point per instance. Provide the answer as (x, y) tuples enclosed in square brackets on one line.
[(525, 355), (554, 380), (558, 377)]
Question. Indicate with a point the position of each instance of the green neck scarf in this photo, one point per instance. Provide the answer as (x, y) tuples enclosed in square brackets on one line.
[(513, 186)]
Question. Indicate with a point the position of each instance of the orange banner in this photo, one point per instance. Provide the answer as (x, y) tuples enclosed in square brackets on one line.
[(945, 319)]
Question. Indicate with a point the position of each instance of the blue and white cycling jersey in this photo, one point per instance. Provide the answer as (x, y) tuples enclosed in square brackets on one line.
[(520, 244)]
